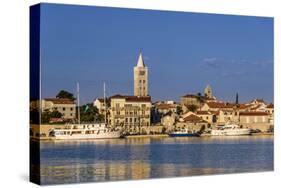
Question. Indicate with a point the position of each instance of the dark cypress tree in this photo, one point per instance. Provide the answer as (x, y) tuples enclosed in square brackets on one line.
[(237, 99)]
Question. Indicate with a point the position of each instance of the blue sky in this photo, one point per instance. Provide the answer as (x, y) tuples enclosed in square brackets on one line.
[(183, 51)]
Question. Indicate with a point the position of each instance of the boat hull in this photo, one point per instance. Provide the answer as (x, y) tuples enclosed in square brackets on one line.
[(90, 136), (184, 135), (239, 132)]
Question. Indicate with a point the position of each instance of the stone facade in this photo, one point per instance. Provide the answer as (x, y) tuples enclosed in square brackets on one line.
[(66, 107), (130, 112), (189, 99)]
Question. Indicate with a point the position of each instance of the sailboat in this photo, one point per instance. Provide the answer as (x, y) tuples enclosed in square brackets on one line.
[(88, 130)]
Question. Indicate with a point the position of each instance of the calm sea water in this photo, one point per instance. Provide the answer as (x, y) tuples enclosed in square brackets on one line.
[(142, 158)]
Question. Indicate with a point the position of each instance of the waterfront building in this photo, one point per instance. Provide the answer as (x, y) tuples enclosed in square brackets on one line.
[(208, 116), (130, 112), (192, 122), (270, 110), (160, 109), (256, 120), (168, 120), (189, 99), (140, 78), (227, 116), (66, 107)]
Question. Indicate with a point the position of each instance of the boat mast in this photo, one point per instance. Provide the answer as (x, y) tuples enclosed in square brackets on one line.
[(78, 103), (104, 100)]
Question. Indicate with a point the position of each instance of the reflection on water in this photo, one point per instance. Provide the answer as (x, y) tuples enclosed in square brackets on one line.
[(142, 158)]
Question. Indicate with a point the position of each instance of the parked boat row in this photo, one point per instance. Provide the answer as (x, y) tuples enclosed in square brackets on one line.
[(226, 130)]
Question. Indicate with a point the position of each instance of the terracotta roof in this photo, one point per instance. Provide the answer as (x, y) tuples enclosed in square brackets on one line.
[(220, 105), (270, 106), (257, 100), (253, 114), (215, 112), (60, 100), (193, 118), (255, 107), (203, 112), (244, 106), (165, 106), (132, 98)]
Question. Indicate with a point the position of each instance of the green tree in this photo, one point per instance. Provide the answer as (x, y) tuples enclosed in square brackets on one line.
[(55, 114), (179, 110), (90, 113), (65, 94), (47, 115), (200, 99)]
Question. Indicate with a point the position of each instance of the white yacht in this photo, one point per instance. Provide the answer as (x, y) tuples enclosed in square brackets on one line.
[(230, 130), (85, 131)]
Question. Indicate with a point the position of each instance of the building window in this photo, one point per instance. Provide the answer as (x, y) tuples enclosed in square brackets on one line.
[(143, 81), (117, 105), (140, 81), (71, 109), (130, 120), (63, 108), (70, 114)]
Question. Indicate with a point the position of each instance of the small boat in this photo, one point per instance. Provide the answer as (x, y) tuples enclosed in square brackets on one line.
[(184, 133), (230, 130)]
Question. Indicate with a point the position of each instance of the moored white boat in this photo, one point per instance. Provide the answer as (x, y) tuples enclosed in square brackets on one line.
[(230, 130), (85, 131), (184, 133)]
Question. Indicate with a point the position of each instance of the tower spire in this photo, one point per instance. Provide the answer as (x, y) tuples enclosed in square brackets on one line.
[(140, 61)]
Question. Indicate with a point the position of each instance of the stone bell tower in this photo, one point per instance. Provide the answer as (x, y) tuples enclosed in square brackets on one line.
[(140, 78), (208, 92)]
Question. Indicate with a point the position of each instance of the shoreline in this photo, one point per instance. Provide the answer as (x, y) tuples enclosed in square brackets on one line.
[(146, 136)]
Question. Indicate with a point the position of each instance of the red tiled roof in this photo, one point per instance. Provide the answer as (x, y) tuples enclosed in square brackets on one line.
[(258, 100), (193, 118), (270, 106), (60, 100), (220, 105), (203, 112), (165, 106), (253, 113)]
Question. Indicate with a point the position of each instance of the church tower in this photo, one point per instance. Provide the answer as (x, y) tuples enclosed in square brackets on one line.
[(140, 78), (208, 92)]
